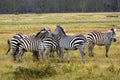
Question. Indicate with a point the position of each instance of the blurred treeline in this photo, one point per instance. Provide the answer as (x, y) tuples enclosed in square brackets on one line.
[(58, 6)]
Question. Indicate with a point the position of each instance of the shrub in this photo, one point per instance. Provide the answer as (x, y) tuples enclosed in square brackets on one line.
[(35, 72)]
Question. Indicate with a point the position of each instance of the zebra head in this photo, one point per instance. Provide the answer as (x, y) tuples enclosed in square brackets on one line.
[(59, 31), (47, 29), (112, 32), (50, 34), (43, 33)]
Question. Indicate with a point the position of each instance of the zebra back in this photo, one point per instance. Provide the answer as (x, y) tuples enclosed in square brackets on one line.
[(100, 38), (68, 39), (96, 37), (15, 39), (51, 42)]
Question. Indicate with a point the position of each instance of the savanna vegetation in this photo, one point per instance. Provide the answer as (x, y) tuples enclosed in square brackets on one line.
[(95, 68)]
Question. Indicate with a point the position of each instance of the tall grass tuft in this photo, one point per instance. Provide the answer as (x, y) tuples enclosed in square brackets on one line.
[(68, 68), (34, 72)]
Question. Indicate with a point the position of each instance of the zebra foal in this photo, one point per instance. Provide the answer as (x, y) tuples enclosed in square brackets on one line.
[(101, 39)]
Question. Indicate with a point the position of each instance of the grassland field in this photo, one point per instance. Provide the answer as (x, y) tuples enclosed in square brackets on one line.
[(95, 68)]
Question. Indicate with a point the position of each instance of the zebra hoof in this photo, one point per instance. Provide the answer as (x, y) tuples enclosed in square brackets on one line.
[(84, 54), (62, 61), (19, 61), (106, 56), (68, 61), (92, 56)]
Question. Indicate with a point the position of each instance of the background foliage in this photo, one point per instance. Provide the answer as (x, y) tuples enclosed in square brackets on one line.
[(53, 6)]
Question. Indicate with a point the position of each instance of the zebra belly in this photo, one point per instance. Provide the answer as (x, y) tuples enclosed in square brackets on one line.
[(71, 43), (67, 46), (100, 43)]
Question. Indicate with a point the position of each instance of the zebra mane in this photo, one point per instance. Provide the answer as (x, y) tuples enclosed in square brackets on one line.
[(62, 30), (19, 35), (40, 33)]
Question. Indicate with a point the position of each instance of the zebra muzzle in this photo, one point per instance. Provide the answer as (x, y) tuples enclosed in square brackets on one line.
[(114, 40)]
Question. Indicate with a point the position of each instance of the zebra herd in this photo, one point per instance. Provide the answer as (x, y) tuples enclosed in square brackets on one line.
[(49, 42)]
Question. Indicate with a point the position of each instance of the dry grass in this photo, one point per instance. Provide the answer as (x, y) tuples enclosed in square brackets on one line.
[(98, 67)]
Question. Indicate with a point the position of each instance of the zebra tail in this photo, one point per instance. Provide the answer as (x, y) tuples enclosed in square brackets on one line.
[(8, 48)]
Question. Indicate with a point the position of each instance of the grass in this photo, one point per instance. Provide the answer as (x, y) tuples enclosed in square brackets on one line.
[(97, 68)]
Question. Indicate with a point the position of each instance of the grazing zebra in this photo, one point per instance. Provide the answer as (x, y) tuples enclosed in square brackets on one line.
[(70, 42), (101, 39), (19, 42)]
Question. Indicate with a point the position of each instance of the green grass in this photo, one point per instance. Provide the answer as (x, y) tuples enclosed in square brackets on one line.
[(97, 68)]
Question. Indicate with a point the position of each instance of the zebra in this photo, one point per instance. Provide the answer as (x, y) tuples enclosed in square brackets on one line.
[(19, 41), (50, 44), (70, 42), (101, 39), (13, 43), (31, 43)]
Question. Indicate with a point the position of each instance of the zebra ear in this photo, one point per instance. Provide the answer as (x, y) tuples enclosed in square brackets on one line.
[(64, 30), (46, 28), (58, 25), (115, 30)]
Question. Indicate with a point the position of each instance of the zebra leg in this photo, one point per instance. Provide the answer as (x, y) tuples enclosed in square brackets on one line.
[(68, 57), (81, 50), (107, 48), (47, 53), (52, 53), (14, 53), (90, 47), (20, 53), (62, 54), (41, 54), (35, 56), (58, 51)]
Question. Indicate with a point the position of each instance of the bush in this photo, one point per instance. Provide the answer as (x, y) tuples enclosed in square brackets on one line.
[(35, 72)]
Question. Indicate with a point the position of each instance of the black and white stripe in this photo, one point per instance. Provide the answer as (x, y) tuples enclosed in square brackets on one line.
[(31, 44), (13, 44), (50, 44), (27, 44), (70, 42), (101, 39), (21, 43)]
